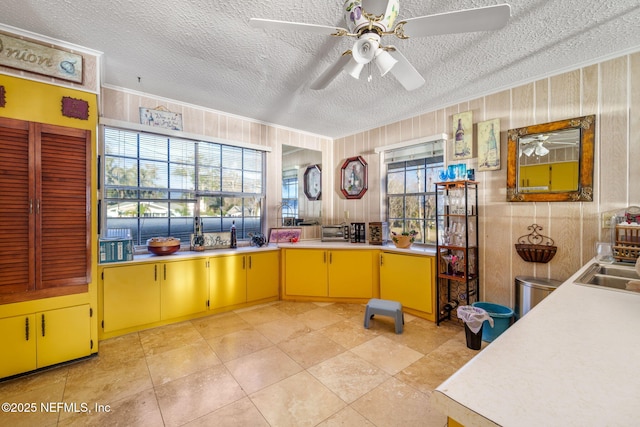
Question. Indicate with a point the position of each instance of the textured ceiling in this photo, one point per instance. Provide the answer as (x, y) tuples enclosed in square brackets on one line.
[(204, 52)]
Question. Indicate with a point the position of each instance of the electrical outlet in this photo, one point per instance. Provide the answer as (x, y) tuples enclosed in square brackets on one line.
[(608, 219)]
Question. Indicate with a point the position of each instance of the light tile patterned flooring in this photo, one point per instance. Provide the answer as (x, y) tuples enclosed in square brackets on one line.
[(279, 364)]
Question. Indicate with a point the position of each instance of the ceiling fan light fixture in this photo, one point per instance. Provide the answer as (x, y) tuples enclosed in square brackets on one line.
[(384, 61), (364, 50), (528, 150), (354, 68), (541, 150)]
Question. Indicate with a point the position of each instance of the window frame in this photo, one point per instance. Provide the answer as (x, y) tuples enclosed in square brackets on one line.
[(191, 194)]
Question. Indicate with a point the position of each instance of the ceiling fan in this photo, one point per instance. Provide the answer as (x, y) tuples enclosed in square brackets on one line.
[(369, 25), (535, 145)]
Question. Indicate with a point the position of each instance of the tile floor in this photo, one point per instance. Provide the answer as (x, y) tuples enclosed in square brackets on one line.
[(280, 364)]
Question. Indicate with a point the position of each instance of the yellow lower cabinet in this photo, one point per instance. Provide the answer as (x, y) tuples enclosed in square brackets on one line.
[(408, 279), (63, 334), (131, 295), (17, 345), (42, 339), (184, 288), (564, 176), (263, 275), (306, 272), (351, 273), (227, 281)]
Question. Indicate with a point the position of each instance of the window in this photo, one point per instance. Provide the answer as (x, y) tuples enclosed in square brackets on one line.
[(290, 193), (156, 185), (410, 191)]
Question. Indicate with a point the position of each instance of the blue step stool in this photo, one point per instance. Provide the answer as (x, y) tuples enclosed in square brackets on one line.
[(385, 308)]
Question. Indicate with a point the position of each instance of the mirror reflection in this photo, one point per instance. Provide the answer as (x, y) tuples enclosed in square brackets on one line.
[(548, 161), (551, 162), (297, 208)]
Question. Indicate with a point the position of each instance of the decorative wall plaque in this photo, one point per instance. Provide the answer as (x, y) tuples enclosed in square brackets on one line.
[(3, 100), (40, 59), (75, 108), (160, 117)]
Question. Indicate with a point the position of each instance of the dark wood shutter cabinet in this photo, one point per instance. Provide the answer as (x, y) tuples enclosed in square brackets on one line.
[(45, 222)]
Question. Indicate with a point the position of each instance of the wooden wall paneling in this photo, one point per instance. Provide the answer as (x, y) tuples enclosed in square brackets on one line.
[(564, 96), (565, 228), (522, 107), (634, 127), (192, 119), (614, 170), (211, 124), (495, 254), (541, 106)]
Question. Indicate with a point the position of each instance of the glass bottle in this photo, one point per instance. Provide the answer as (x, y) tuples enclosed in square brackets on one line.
[(234, 239)]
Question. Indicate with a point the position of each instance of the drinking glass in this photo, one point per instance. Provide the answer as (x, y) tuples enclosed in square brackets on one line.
[(604, 253)]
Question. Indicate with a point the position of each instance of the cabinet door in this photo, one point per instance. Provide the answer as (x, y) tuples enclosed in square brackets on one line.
[(17, 345), (63, 334), (306, 272), (564, 176), (408, 279), (63, 207), (131, 296), (351, 274), (184, 289), (17, 192), (227, 281), (263, 275)]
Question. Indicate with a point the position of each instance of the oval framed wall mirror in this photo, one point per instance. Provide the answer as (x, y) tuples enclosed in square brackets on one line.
[(551, 162)]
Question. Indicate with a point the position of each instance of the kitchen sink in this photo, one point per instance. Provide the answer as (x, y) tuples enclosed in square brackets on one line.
[(612, 276)]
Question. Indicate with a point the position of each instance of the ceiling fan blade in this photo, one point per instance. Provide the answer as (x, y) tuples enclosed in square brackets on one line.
[(330, 73), (462, 21), (406, 74), (270, 24)]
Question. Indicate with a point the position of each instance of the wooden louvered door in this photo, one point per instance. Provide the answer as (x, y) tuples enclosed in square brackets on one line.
[(45, 210), (17, 252), (63, 221)]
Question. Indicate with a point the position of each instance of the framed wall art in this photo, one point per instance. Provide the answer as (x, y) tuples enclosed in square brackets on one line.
[(489, 145), (462, 136), (313, 182), (353, 177), (284, 235)]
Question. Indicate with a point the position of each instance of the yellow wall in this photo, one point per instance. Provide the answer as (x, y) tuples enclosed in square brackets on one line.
[(40, 102)]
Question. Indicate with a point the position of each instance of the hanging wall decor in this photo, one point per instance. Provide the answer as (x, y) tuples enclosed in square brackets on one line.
[(489, 145), (3, 100), (160, 117), (33, 57), (353, 177), (313, 182), (75, 108), (462, 136)]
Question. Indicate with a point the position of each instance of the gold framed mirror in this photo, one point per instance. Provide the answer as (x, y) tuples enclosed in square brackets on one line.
[(551, 162)]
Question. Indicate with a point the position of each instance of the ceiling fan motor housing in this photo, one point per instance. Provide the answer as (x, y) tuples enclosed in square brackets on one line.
[(358, 19)]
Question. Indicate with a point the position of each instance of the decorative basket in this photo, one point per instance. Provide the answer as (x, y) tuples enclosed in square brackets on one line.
[(536, 253), (627, 247), (535, 247)]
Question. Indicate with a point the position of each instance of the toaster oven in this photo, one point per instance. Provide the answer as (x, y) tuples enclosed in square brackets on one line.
[(335, 233)]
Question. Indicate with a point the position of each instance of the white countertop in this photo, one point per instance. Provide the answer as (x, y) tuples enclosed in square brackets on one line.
[(303, 244), (573, 360), (390, 247)]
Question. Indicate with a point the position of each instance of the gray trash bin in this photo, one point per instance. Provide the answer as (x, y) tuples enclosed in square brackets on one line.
[(530, 291)]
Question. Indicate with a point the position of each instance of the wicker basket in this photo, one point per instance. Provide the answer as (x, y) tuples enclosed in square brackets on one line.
[(627, 247), (536, 253)]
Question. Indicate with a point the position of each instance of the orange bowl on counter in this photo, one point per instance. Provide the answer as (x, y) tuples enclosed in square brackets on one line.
[(163, 245)]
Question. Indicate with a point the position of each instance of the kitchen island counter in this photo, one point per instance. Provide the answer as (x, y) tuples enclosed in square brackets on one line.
[(571, 361)]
